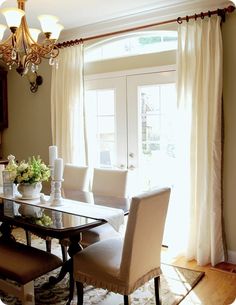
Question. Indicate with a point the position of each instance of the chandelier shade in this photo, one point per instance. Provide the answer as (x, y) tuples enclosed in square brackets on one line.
[(13, 16), (22, 49)]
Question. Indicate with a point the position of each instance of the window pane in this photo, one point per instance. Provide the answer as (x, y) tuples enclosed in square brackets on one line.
[(157, 107), (105, 101), (106, 125), (100, 106), (132, 44)]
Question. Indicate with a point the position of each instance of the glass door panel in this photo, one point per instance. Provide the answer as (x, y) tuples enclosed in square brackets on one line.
[(105, 108), (151, 132)]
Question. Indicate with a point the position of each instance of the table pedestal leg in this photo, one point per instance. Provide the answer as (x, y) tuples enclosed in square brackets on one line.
[(6, 231), (67, 267)]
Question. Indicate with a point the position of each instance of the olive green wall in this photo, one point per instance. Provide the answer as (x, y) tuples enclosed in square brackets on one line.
[(29, 130), (229, 95)]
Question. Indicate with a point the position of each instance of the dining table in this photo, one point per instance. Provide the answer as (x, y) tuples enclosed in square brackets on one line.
[(79, 211)]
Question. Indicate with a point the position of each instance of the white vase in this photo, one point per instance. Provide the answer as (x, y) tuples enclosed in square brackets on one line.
[(30, 190)]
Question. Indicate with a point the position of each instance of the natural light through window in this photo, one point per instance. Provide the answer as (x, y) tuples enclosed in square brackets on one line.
[(102, 116), (157, 110), (132, 44)]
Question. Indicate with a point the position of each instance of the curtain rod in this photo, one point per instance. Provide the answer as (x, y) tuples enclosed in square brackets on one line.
[(219, 12)]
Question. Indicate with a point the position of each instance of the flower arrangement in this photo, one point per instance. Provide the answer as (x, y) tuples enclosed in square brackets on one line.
[(35, 170)]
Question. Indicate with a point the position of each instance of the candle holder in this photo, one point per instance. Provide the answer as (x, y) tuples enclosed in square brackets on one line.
[(57, 199), (52, 183), (57, 219)]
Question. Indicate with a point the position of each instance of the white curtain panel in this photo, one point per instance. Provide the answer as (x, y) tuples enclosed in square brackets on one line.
[(67, 105), (199, 87)]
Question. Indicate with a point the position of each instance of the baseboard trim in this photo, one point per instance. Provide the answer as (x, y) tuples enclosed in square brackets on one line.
[(232, 257)]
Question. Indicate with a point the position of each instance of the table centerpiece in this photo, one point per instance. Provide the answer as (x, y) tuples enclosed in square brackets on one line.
[(28, 176)]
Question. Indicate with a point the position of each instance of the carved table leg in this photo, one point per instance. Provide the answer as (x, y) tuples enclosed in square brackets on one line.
[(6, 231), (74, 248)]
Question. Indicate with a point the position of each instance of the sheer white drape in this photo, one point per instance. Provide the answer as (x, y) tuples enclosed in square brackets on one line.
[(67, 105), (199, 87)]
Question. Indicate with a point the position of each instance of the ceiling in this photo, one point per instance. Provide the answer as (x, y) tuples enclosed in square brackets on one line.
[(78, 13)]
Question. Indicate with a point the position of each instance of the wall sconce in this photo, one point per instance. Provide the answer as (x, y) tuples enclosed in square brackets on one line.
[(35, 80)]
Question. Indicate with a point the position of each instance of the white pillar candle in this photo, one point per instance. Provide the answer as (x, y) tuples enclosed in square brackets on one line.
[(58, 169), (52, 155)]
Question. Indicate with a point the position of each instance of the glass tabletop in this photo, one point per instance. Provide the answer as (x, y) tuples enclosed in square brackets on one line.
[(44, 217), (49, 221)]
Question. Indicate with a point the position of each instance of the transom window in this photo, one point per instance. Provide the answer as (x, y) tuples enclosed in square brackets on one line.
[(132, 44)]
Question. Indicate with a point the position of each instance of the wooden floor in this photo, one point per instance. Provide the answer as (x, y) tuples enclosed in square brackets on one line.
[(216, 288)]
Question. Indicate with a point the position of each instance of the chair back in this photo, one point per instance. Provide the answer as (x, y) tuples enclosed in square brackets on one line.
[(144, 234), (110, 182), (76, 177)]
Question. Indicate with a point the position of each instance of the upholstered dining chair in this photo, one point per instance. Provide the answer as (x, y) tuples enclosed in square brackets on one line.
[(108, 182), (123, 265), (76, 177)]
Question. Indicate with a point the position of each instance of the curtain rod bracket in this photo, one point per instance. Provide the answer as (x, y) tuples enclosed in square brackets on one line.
[(221, 13)]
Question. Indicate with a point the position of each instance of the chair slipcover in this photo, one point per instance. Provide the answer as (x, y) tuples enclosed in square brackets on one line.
[(120, 265), (76, 177), (109, 182)]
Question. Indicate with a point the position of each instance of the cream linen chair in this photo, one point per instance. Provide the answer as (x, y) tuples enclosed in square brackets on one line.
[(76, 177), (110, 182), (122, 266), (107, 182)]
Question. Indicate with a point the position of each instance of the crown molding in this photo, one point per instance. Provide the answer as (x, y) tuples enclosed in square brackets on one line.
[(160, 13)]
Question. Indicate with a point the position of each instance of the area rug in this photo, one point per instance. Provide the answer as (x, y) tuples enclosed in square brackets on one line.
[(176, 283)]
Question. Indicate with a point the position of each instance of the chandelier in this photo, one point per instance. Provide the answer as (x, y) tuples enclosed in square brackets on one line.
[(21, 49)]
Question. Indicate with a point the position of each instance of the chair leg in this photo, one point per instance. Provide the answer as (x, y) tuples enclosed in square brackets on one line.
[(48, 245), (157, 289), (126, 300), (71, 285), (64, 253), (28, 237), (80, 293)]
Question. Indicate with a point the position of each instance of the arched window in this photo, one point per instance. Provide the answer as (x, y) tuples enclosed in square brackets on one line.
[(132, 44)]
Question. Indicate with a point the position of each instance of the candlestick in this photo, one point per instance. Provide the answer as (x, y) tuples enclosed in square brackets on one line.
[(52, 154), (57, 199), (58, 169), (52, 183)]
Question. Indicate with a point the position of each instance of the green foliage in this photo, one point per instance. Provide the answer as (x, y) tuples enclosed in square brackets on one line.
[(35, 170)]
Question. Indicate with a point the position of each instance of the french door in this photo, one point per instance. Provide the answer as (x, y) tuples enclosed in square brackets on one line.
[(131, 125)]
